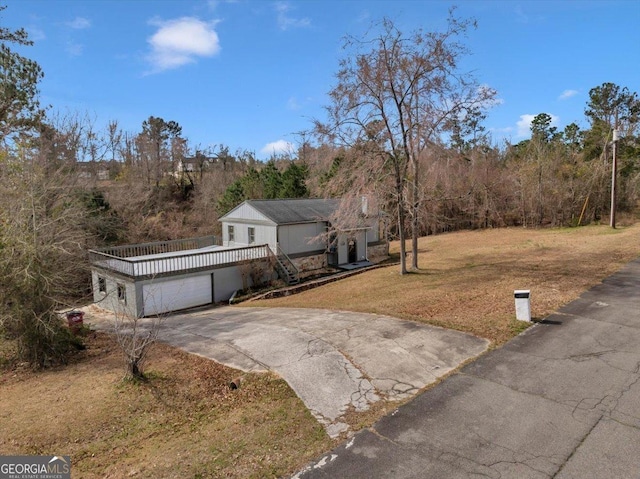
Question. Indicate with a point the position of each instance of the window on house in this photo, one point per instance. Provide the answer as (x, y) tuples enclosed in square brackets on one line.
[(102, 284), (231, 233), (252, 235), (122, 293)]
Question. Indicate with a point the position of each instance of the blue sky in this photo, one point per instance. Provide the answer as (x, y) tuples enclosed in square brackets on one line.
[(253, 74)]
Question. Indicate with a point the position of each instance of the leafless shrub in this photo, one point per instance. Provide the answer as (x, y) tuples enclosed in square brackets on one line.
[(135, 336)]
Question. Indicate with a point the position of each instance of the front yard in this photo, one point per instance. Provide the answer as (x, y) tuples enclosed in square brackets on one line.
[(186, 422), (468, 278), (183, 422)]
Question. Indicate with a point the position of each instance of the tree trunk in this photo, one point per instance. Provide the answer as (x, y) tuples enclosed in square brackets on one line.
[(403, 248), (415, 225), (401, 220), (134, 369)]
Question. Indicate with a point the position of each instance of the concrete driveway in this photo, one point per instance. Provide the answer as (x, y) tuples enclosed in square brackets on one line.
[(561, 400), (333, 360)]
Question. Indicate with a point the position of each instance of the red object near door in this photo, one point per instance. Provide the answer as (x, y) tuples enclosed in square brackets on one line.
[(75, 320)]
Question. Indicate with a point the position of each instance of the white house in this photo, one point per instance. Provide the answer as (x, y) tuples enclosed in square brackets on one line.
[(261, 238), (155, 278), (302, 231)]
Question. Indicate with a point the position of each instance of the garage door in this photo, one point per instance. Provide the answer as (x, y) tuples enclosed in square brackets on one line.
[(176, 294)]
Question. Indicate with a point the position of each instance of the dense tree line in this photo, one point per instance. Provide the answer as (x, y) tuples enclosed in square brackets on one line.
[(268, 182), (555, 178)]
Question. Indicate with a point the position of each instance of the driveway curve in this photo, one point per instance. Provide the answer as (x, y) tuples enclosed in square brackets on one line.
[(333, 360)]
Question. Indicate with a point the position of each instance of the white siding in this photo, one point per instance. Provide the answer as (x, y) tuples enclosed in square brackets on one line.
[(244, 213), (264, 234), (175, 294), (373, 233), (361, 246), (302, 238), (225, 234), (343, 250), (226, 281), (162, 295), (243, 217), (109, 299)]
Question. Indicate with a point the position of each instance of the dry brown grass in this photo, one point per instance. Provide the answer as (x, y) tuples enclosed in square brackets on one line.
[(468, 278), (183, 422)]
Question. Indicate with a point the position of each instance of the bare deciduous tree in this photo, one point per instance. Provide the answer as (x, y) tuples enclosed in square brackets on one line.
[(135, 336), (393, 96)]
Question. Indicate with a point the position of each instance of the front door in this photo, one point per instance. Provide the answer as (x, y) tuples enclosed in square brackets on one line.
[(353, 251)]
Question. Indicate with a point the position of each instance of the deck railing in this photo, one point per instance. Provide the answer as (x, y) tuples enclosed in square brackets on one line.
[(157, 247), (179, 263)]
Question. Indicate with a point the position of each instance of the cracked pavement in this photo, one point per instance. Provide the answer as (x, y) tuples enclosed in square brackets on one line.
[(335, 361), (561, 400)]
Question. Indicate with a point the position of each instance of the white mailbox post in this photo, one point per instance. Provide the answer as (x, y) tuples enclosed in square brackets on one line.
[(523, 304)]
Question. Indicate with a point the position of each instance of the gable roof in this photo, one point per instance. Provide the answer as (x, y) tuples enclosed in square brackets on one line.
[(302, 210)]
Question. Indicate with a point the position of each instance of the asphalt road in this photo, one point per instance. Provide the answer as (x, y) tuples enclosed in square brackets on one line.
[(562, 400)]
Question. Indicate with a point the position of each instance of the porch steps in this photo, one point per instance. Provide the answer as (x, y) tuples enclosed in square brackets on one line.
[(287, 272), (286, 269)]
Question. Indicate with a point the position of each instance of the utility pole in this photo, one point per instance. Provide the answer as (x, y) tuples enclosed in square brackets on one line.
[(614, 170)]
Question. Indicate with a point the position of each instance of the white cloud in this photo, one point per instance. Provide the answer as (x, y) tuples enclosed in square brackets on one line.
[(525, 17), (524, 124), (285, 21), (292, 104), (79, 23), (567, 94), (36, 34), (74, 49), (364, 16), (214, 4), (520, 15), (180, 41), (277, 147)]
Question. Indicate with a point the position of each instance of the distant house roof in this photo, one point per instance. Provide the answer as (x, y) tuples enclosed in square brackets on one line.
[(292, 211)]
